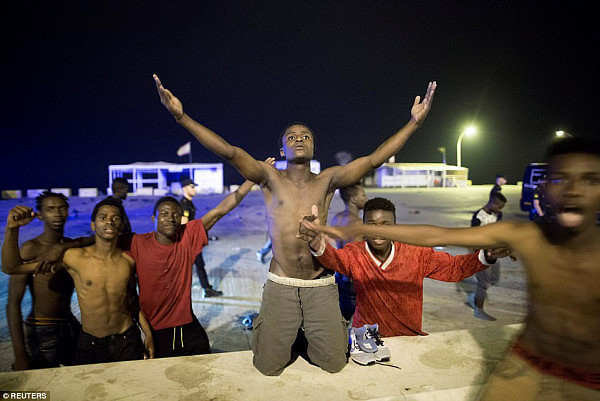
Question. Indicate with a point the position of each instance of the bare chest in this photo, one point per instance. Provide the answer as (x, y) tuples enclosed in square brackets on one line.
[(96, 276), (567, 279)]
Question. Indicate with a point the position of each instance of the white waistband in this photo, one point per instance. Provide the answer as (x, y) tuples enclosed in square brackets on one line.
[(298, 282)]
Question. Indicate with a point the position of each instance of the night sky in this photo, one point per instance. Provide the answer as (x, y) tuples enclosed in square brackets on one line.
[(78, 93)]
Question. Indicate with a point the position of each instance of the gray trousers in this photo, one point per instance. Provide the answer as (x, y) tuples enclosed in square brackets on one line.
[(285, 309), (485, 279)]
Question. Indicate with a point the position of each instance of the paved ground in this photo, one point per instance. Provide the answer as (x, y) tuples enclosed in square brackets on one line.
[(232, 267)]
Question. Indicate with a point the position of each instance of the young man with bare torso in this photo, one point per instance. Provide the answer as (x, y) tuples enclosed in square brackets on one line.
[(48, 337), (299, 295), (557, 356)]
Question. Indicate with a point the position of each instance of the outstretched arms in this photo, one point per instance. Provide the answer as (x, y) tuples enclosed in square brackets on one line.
[(249, 167), (355, 170), (496, 235)]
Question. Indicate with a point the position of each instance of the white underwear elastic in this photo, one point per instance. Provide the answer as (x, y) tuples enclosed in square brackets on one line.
[(298, 282)]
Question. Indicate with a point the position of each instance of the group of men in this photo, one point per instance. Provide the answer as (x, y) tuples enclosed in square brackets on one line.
[(106, 271), (300, 312)]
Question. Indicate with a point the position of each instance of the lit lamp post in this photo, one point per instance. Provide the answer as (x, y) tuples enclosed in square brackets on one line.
[(562, 134), (469, 131)]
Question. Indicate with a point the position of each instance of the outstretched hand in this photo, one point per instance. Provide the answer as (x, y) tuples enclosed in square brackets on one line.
[(421, 108), (270, 161), (172, 104), (346, 233), (313, 237), (19, 216), (499, 253)]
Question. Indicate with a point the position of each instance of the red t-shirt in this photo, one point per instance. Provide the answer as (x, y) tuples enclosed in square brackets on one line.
[(390, 293), (165, 274)]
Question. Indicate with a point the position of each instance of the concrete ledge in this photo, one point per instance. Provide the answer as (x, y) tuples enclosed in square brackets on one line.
[(34, 193), (11, 194), (65, 191), (451, 365), (88, 192), (144, 191)]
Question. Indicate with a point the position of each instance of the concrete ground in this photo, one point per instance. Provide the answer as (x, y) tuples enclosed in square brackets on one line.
[(232, 266)]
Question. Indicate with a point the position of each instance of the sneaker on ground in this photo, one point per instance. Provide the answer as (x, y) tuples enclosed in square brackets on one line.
[(383, 353), (260, 256), (356, 353)]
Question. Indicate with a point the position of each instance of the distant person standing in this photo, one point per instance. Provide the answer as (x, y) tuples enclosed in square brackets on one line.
[(500, 180), (120, 187), (490, 213), (538, 207), (188, 187), (354, 199)]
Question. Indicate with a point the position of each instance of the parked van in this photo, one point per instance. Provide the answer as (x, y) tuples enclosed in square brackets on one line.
[(534, 174)]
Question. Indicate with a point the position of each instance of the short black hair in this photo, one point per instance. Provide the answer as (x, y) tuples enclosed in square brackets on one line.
[(346, 193), (39, 200), (120, 180), (280, 139), (109, 201), (163, 200), (574, 144), (379, 204)]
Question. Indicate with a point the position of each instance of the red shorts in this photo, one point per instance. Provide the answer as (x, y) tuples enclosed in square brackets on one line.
[(583, 377)]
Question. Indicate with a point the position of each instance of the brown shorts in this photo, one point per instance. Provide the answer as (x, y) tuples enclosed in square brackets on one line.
[(290, 305)]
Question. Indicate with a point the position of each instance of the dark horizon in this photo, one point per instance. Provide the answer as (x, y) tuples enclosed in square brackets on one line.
[(79, 93)]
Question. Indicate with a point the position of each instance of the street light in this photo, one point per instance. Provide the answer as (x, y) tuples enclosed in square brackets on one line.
[(562, 134), (469, 131)]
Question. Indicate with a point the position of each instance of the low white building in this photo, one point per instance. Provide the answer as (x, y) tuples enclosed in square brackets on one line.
[(426, 175), (162, 177)]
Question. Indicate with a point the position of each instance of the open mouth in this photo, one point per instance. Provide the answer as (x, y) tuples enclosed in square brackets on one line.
[(570, 216)]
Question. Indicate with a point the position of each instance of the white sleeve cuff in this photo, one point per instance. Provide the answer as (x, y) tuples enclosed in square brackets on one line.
[(482, 258), (321, 249)]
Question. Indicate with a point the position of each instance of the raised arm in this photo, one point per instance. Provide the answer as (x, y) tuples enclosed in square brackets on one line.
[(12, 263), (356, 169), (230, 201), (249, 167)]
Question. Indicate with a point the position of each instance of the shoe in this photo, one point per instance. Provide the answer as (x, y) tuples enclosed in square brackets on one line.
[(470, 300), (210, 292), (357, 352), (383, 353), (480, 314)]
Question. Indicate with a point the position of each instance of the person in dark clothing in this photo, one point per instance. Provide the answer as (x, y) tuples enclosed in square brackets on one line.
[(188, 188), (119, 188), (488, 214), (497, 188)]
